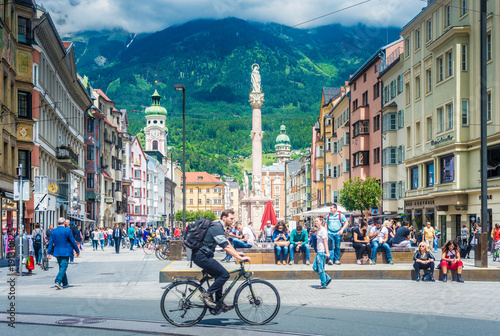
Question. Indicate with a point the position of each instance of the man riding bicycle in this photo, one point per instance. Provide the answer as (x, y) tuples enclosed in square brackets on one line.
[(204, 258)]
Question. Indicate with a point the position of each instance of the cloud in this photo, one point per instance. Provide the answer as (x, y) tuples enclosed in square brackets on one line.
[(153, 15)]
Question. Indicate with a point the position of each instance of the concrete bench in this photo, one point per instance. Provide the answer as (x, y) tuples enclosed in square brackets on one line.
[(267, 255)]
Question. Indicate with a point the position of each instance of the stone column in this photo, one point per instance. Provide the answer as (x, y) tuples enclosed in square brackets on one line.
[(256, 101)]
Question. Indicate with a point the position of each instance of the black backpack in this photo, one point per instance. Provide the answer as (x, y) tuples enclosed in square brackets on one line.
[(38, 238), (196, 234)]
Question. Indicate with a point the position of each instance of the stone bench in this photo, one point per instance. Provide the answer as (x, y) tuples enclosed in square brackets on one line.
[(267, 255)]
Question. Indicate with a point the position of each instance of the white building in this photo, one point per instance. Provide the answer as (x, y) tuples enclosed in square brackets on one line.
[(155, 192), (135, 175)]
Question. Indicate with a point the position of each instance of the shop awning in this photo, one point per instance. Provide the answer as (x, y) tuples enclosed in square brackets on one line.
[(419, 213), (430, 212), (81, 218)]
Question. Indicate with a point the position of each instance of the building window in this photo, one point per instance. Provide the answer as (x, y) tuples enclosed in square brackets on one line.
[(447, 169), (400, 119), (90, 152), (24, 30), (361, 158), (463, 7), (376, 123), (390, 190), (90, 125), (376, 91), (429, 80), (449, 111), (376, 155), (429, 128), (24, 159), (493, 161), (354, 86), (488, 46), (449, 62), (335, 196), (191, 201), (440, 69), (361, 127), (429, 172), (389, 156), (414, 178), (408, 94), (24, 104), (355, 105), (364, 77), (155, 145), (137, 192), (137, 174), (417, 87), (429, 30), (417, 133), (365, 98), (401, 154), (447, 16), (464, 57), (407, 46), (90, 180), (465, 112), (137, 210), (389, 122), (417, 39), (441, 119), (488, 106)]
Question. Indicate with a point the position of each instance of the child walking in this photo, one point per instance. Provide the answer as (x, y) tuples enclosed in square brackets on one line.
[(322, 253)]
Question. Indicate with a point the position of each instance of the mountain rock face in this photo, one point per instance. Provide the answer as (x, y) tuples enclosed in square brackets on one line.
[(213, 59)]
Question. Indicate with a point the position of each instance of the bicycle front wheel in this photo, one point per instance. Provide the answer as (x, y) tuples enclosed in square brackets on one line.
[(149, 248), (257, 302), (181, 305), (163, 252)]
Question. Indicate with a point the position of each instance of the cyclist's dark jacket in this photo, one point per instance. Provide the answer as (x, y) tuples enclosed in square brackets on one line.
[(215, 236)]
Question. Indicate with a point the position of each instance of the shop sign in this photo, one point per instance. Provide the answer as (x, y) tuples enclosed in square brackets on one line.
[(441, 140), (420, 203)]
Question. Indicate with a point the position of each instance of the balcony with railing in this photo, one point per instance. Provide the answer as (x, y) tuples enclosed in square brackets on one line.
[(67, 157)]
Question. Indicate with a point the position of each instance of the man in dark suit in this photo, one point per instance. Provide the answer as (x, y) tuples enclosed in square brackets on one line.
[(61, 245), (117, 236)]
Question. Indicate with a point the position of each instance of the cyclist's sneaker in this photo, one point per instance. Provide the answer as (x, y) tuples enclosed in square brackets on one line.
[(205, 297)]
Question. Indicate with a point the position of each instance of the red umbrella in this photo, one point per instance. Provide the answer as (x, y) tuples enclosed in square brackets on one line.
[(268, 215)]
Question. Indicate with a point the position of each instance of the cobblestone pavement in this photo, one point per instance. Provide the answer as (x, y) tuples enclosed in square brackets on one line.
[(101, 275)]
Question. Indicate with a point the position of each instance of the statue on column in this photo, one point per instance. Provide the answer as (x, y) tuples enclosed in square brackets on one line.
[(257, 185), (256, 78), (245, 184), (267, 185)]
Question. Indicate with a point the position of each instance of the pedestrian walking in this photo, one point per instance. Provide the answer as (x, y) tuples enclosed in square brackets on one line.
[(101, 238), (337, 223), (322, 254), (61, 245), (117, 236), (37, 237), (131, 236), (110, 236), (95, 239)]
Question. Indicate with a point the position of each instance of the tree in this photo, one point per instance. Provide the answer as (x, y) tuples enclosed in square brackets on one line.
[(191, 216), (361, 195)]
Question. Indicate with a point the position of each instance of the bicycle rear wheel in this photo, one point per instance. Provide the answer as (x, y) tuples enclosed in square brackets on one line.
[(257, 303), (181, 305)]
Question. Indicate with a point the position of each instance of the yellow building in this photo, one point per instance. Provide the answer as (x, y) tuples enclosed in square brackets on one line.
[(204, 192), (16, 115)]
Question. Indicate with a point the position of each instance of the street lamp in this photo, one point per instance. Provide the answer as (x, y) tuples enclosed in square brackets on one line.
[(180, 87), (171, 152)]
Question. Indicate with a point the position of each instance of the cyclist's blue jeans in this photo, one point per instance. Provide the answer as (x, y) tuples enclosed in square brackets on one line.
[(334, 241), (303, 247), (212, 267), (319, 267)]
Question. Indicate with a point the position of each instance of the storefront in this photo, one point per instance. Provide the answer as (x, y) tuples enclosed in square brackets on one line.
[(419, 212), (10, 215)]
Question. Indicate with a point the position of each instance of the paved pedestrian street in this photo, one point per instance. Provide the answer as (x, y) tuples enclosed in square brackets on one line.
[(123, 289)]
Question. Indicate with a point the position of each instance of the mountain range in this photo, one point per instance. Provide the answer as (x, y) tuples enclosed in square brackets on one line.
[(213, 59)]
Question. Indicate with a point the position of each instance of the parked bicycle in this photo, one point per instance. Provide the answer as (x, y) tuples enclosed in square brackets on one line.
[(126, 242), (162, 251), (256, 301)]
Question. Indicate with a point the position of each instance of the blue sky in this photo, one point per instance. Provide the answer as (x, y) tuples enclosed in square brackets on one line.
[(139, 16)]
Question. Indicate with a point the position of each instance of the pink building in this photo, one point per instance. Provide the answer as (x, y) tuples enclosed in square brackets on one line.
[(366, 119), (135, 172)]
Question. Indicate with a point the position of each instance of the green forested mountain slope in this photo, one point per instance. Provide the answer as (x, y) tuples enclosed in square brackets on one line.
[(213, 59)]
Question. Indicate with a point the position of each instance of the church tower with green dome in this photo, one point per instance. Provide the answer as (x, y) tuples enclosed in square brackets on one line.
[(156, 130), (282, 146)]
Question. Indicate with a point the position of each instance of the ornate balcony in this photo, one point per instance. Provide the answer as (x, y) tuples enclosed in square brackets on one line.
[(67, 157)]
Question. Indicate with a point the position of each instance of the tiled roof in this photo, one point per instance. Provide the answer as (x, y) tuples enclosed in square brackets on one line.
[(201, 177), (66, 44), (103, 95)]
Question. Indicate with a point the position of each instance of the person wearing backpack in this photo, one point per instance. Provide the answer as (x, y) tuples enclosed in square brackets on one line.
[(337, 223), (203, 239), (37, 237)]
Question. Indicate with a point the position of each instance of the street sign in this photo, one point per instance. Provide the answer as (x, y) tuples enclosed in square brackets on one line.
[(22, 191), (41, 201), (127, 218)]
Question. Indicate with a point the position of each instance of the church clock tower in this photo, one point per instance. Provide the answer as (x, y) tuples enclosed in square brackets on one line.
[(156, 130)]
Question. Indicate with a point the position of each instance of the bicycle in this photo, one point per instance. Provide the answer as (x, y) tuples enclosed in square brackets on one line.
[(181, 304), (126, 242), (162, 251), (496, 253), (149, 246)]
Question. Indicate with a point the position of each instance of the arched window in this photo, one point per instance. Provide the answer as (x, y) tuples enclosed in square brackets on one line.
[(155, 145)]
